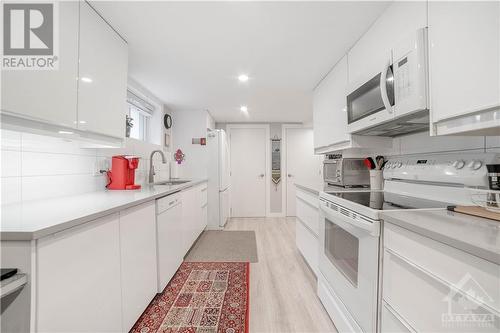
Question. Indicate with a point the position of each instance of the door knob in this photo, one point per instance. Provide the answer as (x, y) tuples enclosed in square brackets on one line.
[(289, 175), (261, 175)]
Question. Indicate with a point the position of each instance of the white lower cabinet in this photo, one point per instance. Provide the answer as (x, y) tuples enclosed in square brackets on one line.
[(138, 260), (194, 214), (171, 249), (428, 286), (78, 279), (306, 227)]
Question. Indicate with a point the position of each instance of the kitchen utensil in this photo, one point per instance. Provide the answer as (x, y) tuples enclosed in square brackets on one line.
[(370, 164), (379, 161), (475, 211)]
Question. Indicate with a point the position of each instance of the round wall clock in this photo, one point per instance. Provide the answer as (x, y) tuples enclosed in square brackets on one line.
[(167, 121)]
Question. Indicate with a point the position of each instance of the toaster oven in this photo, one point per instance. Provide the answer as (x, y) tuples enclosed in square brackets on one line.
[(346, 172)]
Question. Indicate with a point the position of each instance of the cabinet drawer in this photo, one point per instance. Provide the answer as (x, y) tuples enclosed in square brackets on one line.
[(428, 303), (391, 322), (307, 208), (167, 202), (449, 264), (307, 243)]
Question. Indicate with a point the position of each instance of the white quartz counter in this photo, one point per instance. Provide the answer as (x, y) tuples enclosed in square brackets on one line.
[(36, 219), (477, 236)]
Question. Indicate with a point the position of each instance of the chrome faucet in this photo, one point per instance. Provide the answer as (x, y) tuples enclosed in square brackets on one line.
[(151, 167)]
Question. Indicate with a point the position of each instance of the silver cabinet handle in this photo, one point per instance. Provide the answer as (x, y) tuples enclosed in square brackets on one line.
[(261, 175), (289, 175)]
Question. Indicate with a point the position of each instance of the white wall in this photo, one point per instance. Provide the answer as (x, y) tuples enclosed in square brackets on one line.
[(187, 125)]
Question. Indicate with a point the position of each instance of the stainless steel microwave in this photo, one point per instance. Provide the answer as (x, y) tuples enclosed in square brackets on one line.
[(346, 172)]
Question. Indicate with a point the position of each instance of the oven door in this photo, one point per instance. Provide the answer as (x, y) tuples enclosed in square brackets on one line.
[(349, 261), (331, 172), (372, 103)]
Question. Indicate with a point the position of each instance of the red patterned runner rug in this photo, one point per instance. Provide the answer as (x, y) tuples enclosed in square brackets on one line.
[(202, 297)]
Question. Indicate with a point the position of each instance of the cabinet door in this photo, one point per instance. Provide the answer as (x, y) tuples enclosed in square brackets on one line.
[(330, 117), (189, 208), (138, 260), (370, 54), (102, 85), (464, 42), (78, 279), (48, 95), (170, 245)]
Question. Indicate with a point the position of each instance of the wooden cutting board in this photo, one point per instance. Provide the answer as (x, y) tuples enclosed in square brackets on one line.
[(476, 211)]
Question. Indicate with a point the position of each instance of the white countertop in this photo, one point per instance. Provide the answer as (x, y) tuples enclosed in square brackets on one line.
[(36, 219), (475, 235)]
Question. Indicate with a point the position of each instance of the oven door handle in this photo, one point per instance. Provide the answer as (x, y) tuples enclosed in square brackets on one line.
[(383, 87), (373, 228)]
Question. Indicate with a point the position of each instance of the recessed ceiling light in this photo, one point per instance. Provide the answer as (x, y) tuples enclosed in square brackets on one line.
[(243, 78), (86, 79), (243, 108)]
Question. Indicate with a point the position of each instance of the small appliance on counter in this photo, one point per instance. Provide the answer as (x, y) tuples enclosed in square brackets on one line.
[(122, 174), (345, 172)]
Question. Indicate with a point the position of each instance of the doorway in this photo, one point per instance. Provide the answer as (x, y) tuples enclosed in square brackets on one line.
[(249, 150), (301, 164)]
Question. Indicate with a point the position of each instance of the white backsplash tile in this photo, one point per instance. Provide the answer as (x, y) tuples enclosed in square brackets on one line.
[(42, 187), (423, 143), (38, 164), (11, 163), (493, 142), (10, 140), (11, 190)]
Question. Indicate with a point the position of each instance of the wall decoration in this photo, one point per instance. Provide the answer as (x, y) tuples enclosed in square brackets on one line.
[(179, 156), (167, 121), (276, 160), (166, 141), (199, 141)]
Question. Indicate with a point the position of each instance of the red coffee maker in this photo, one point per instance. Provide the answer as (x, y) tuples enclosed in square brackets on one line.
[(122, 174)]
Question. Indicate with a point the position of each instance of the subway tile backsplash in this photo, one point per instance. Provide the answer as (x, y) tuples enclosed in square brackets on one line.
[(35, 167)]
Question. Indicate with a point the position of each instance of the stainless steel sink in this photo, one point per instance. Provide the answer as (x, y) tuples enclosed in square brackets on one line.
[(172, 182)]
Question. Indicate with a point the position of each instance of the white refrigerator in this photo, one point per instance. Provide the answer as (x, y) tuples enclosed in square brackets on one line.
[(218, 179)]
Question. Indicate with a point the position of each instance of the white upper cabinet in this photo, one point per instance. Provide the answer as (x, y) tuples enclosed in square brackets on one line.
[(48, 95), (330, 117), (373, 50), (102, 86), (329, 108), (464, 64)]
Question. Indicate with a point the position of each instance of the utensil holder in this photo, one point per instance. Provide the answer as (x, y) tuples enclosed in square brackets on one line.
[(376, 180)]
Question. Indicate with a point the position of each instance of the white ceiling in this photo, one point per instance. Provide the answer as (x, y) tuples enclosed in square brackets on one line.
[(189, 54)]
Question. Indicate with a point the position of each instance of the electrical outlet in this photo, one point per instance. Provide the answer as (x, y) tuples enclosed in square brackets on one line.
[(101, 164)]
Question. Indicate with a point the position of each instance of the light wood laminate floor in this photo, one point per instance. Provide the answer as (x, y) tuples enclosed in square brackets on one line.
[(282, 286)]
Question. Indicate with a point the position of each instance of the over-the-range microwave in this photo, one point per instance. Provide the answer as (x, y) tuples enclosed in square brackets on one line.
[(395, 101)]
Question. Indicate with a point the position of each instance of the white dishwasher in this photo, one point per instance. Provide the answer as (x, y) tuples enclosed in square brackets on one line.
[(169, 237)]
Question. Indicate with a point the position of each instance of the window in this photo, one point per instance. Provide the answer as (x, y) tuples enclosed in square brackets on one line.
[(138, 117)]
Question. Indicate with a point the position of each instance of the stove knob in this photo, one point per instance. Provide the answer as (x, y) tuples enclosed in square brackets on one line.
[(475, 165), (459, 164)]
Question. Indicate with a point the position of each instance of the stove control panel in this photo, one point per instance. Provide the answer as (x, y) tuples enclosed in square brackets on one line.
[(460, 169)]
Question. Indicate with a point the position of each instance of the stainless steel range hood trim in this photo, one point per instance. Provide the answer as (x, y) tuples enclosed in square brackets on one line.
[(400, 126)]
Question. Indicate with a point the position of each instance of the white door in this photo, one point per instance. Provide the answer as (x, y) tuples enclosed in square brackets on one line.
[(302, 165), (224, 161), (248, 171)]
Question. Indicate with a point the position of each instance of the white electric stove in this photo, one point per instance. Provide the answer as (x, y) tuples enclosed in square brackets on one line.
[(350, 227)]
